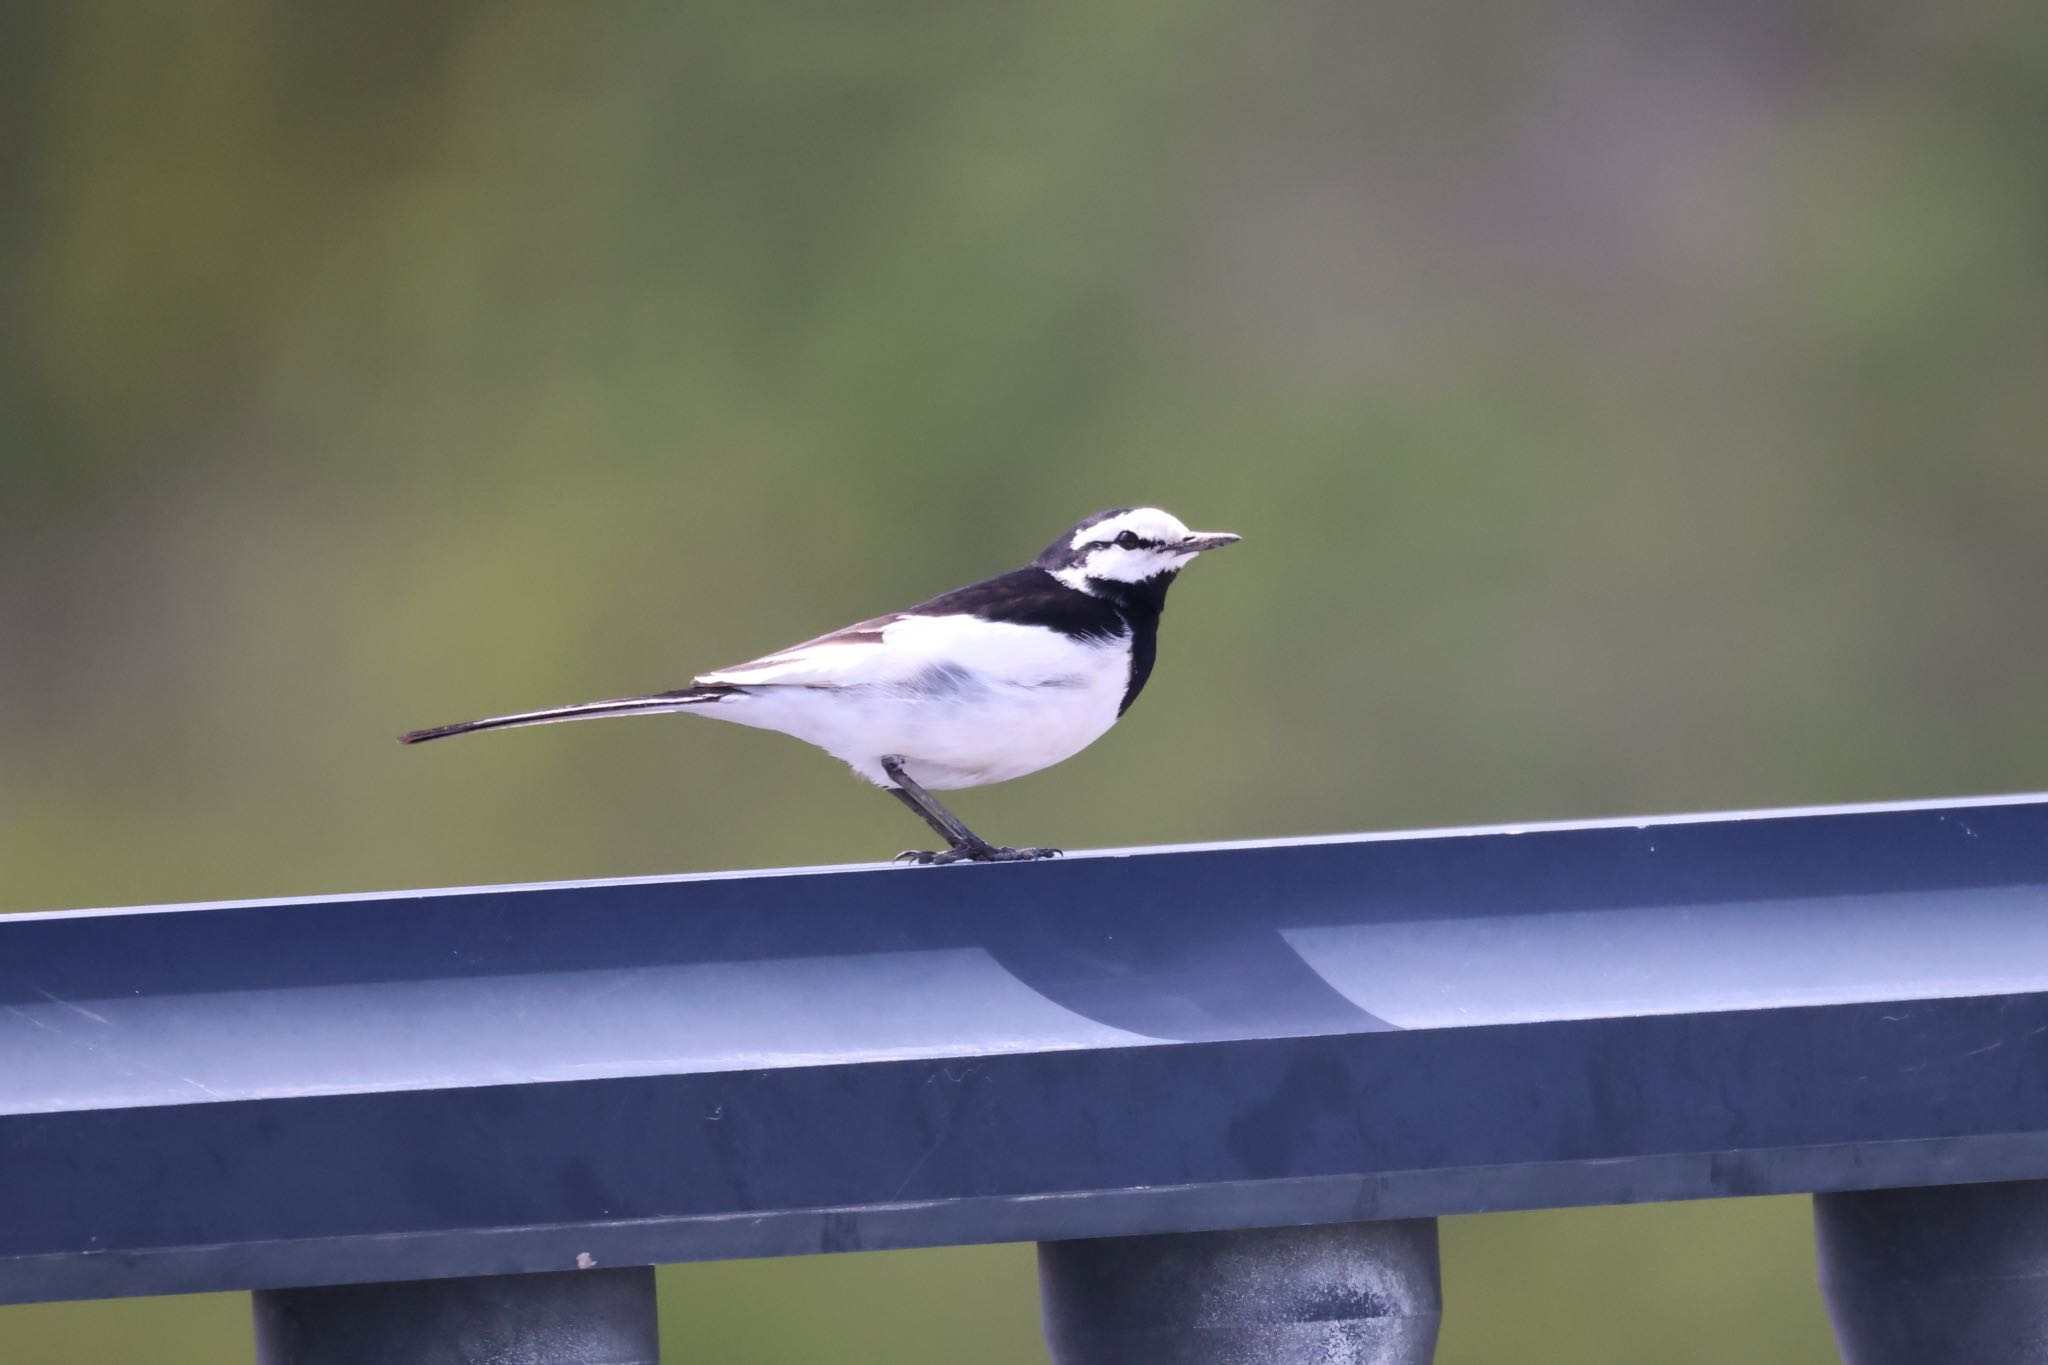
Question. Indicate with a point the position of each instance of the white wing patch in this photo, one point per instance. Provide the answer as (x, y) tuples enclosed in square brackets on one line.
[(913, 650)]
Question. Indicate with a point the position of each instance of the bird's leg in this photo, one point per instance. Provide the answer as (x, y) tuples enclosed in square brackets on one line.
[(962, 843), (957, 848)]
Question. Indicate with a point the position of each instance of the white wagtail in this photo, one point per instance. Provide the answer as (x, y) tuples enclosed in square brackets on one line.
[(980, 685)]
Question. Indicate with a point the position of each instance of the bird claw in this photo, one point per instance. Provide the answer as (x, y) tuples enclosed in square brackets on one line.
[(986, 853)]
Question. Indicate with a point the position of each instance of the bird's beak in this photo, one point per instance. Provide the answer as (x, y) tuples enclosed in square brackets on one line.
[(1206, 540)]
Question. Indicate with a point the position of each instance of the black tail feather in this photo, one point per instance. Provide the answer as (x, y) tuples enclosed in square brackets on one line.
[(654, 704)]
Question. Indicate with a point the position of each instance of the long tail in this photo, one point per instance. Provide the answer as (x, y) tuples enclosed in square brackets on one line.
[(680, 700)]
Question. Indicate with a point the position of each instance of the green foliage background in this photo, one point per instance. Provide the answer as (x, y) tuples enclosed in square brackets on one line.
[(1627, 407)]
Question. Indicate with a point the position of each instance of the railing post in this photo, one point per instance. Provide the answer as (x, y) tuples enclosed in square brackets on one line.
[(1955, 1273), (1337, 1294), (571, 1317)]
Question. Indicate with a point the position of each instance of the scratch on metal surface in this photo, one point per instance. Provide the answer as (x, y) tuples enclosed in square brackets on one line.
[(619, 982), (62, 1003), (922, 1158), (47, 1027), (945, 1131)]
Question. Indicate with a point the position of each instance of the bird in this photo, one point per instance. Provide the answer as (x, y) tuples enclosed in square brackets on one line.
[(976, 686)]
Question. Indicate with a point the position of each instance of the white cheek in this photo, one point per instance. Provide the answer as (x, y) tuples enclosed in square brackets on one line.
[(1160, 561), (1133, 566)]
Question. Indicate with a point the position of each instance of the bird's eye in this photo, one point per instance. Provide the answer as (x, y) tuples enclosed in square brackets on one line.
[(1128, 540)]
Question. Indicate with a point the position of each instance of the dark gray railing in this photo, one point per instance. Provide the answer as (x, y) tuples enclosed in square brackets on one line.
[(1227, 1088)]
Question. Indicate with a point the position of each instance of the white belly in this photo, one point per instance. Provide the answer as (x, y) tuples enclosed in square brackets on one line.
[(953, 727)]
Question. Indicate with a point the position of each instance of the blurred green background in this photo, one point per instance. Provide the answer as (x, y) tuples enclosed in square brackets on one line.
[(1627, 407)]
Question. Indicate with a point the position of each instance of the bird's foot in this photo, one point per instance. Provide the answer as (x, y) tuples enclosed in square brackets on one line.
[(981, 853), (1019, 855)]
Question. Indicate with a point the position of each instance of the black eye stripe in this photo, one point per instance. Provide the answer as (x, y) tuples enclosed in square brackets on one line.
[(1129, 540)]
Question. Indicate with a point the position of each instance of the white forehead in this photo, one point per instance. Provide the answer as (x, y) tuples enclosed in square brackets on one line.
[(1149, 522)]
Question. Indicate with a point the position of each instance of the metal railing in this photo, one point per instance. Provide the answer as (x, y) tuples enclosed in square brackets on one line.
[(1227, 1088)]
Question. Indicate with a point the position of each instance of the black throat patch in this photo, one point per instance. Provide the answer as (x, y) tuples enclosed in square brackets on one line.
[(1140, 605)]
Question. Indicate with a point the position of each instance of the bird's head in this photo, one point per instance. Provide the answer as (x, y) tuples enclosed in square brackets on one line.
[(1127, 549)]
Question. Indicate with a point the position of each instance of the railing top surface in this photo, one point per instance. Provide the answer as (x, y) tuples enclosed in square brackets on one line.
[(1944, 809), (1132, 1041)]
